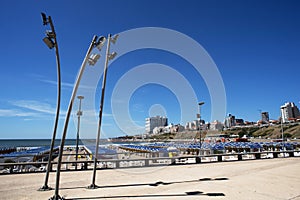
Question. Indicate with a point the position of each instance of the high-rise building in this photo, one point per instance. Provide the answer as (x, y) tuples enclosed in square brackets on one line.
[(289, 111), (153, 122), (265, 117), (229, 121)]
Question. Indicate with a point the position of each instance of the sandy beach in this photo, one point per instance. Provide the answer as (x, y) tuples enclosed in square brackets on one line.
[(255, 179)]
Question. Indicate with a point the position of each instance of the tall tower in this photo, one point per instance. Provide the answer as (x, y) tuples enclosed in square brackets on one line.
[(153, 122), (265, 117), (289, 110), (229, 121)]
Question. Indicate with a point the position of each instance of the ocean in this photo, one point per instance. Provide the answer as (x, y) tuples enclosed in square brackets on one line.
[(41, 143), (34, 142), (47, 142)]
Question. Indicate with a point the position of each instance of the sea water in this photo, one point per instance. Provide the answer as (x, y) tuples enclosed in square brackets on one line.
[(34, 142)]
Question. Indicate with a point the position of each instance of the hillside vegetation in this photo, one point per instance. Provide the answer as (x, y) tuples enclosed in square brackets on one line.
[(273, 132)]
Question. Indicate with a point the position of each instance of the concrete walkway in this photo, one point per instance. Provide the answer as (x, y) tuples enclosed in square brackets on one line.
[(255, 179)]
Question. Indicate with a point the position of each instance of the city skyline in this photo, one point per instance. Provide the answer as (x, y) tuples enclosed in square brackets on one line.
[(232, 120), (253, 44)]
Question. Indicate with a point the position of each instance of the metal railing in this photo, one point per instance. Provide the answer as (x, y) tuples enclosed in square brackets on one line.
[(150, 161)]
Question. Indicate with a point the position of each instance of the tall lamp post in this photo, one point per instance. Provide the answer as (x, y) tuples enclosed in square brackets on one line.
[(108, 56), (281, 121), (91, 60), (51, 42), (79, 114), (199, 117)]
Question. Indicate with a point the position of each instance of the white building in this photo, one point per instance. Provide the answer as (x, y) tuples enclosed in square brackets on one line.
[(153, 122), (216, 125), (191, 125), (288, 111), (194, 125), (229, 121)]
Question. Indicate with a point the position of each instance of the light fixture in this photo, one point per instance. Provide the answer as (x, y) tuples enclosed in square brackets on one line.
[(108, 56), (199, 117), (48, 41), (50, 34), (112, 55), (45, 19), (100, 43), (51, 42), (67, 117), (79, 113), (114, 38), (201, 103), (93, 59)]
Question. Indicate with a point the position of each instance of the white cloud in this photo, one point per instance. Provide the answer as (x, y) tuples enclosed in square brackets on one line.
[(35, 106), (15, 113), (30, 109), (93, 113), (64, 84)]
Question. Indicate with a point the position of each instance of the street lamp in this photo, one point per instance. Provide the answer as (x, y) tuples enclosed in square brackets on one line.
[(93, 44), (281, 119), (51, 42), (108, 56), (199, 117), (79, 114)]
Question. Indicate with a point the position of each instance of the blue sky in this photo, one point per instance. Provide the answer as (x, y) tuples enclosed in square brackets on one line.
[(254, 44)]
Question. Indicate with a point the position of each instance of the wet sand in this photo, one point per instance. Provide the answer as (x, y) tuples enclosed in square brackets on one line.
[(255, 179)]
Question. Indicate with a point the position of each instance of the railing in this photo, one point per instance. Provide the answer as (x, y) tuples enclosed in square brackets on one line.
[(22, 167)]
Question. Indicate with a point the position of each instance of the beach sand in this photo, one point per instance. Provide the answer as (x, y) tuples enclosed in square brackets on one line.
[(255, 179)]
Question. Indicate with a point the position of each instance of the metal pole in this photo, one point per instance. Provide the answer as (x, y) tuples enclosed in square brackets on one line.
[(282, 131), (79, 113), (200, 129), (45, 186), (93, 185), (200, 104), (61, 149)]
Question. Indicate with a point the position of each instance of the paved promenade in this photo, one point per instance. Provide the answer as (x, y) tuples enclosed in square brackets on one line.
[(256, 179)]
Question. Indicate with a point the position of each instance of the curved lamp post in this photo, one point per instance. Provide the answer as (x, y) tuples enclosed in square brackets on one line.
[(79, 114), (91, 60), (199, 117), (51, 42), (109, 56)]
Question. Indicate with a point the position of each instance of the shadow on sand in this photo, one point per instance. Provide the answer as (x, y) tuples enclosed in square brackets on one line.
[(192, 193), (151, 184)]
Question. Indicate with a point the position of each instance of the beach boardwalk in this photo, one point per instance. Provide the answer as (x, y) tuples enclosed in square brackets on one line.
[(254, 179)]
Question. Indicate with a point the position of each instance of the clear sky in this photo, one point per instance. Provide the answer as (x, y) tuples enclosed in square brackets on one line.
[(255, 46)]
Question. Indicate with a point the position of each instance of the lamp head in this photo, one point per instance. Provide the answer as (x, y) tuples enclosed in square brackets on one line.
[(201, 103), (112, 55), (48, 41), (50, 34), (99, 44), (114, 38), (80, 97), (45, 19), (93, 59)]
